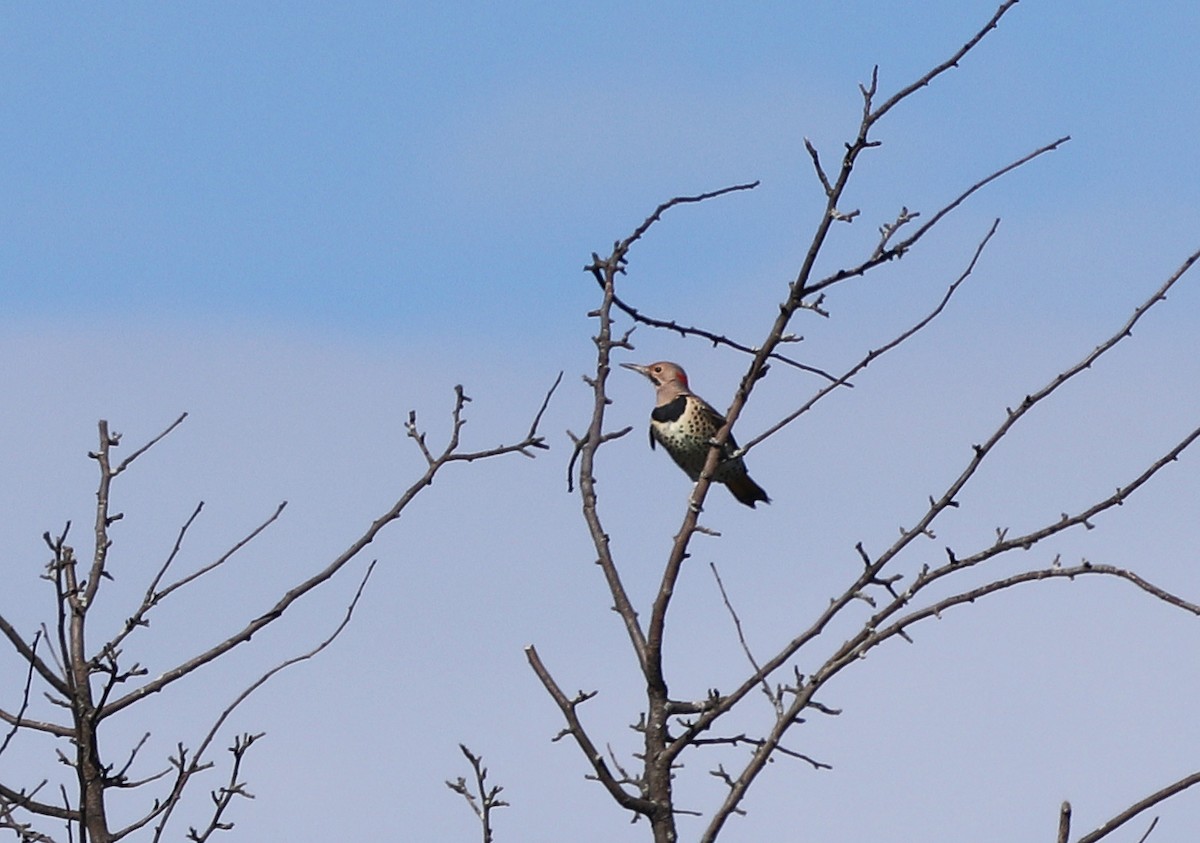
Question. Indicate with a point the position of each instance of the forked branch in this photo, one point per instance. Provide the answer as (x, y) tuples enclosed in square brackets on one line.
[(481, 798)]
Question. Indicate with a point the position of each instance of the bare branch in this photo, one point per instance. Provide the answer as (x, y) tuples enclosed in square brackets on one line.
[(884, 253), (1153, 823), (186, 769), (448, 455), (800, 288), (713, 337), (1064, 822), (483, 799), (579, 443), (624, 246), (734, 740), (223, 796), (18, 721), (816, 159), (875, 353), (737, 623), (575, 728), (617, 262), (606, 270), (28, 654), (166, 432), (1138, 807), (532, 435), (154, 596), (953, 61), (24, 831), (935, 610), (979, 452), (19, 799)]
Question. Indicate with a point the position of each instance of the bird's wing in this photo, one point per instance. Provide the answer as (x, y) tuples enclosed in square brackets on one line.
[(719, 421)]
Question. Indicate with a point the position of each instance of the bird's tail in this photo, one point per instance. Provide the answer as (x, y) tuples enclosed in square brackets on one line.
[(746, 490)]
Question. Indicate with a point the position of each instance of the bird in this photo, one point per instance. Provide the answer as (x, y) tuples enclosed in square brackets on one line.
[(685, 424)]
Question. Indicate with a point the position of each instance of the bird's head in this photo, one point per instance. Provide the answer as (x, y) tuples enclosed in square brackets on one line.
[(662, 374)]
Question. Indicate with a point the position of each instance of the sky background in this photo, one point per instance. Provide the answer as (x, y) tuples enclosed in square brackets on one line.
[(297, 223)]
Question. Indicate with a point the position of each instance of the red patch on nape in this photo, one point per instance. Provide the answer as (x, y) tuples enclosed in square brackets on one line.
[(682, 376)]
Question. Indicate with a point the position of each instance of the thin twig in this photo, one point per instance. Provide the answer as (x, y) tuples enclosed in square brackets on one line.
[(18, 720), (875, 353), (154, 596), (737, 623), (623, 246), (883, 253), (166, 432), (1137, 808), (1153, 823), (449, 454), (483, 800), (188, 769)]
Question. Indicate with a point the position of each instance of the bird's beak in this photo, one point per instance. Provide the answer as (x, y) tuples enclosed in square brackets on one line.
[(634, 367)]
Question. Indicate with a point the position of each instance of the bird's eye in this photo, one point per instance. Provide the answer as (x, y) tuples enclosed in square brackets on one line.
[(658, 368)]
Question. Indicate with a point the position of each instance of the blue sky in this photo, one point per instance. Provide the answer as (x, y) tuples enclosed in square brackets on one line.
[(299, 222), (391, 167)]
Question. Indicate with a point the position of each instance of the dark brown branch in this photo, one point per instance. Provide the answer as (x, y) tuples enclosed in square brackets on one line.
[(607, 271), (853, 648), (46, 726), (884, 253), (735, 740), (154, 596), (166, 432), (18, 721), (737, 623), (103, 516), (24, 831), (1137, 808), (867, 639), (1064, 822), (624, 246), (713, 337), (979, 452), (578, 449), (448, 455), (186, 769), (532, 435), (19, 799), (223, 796), (618, 260), (484, 799), (872, 630), (1083, 518), (1144, 837), (28, 654), (121, 777), (935, 610), (175, 549), (575, 729), (800, 288), (876, 353), (949, 63), (816, 160)]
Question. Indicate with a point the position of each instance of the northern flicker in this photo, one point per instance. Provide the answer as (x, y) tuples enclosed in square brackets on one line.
[(685, 425)]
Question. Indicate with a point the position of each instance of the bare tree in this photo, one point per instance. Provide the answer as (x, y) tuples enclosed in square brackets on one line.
[(894, 585), (88, 685)]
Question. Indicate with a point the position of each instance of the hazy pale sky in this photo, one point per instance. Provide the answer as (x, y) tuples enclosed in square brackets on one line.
[(298, 223)]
